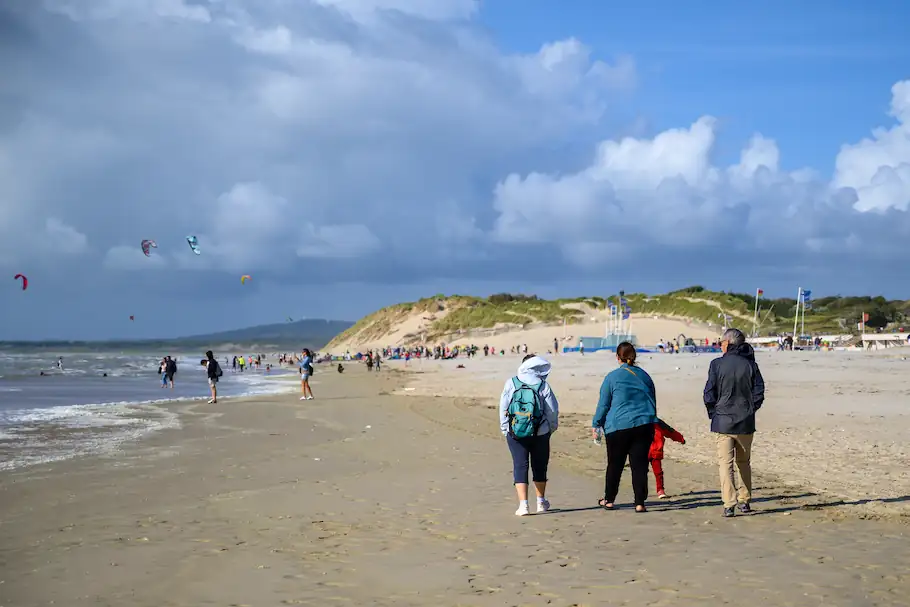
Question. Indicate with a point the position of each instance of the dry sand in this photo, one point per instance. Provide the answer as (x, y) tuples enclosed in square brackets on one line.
[(366, 498), (834, 422)]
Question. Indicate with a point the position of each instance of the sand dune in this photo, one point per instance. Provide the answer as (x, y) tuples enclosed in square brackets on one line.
[(413, 328)]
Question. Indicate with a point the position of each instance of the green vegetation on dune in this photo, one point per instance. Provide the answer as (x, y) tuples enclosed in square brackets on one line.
[(447, 316)]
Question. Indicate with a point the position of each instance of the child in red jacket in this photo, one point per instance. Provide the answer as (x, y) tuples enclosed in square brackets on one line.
[(662, 431)]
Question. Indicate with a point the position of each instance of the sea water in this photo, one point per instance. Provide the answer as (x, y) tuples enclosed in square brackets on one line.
[(98, 400)]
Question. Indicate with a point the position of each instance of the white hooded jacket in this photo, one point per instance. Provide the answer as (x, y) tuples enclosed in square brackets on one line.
[(532, 372)]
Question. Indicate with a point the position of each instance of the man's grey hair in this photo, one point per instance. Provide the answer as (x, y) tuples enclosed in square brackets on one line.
[(734, 337)]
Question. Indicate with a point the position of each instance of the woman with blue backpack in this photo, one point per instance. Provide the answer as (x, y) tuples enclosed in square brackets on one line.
[(626, 414), (528, 415)]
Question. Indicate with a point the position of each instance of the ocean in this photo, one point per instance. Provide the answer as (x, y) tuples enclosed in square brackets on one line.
[(101, 399)]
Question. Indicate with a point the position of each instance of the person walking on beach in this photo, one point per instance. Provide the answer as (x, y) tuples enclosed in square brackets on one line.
[(213, 372), (528, 416), (626, 414), (735, 390), (306, 371), (162, 372)]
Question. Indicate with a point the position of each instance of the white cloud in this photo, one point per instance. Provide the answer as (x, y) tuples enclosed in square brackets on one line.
[(132, 258), (64, 238), (665, 190), (427, 9), (879, 168), (338, 242), (104, 10)]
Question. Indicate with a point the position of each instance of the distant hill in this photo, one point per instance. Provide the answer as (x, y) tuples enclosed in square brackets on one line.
[(311, 333)]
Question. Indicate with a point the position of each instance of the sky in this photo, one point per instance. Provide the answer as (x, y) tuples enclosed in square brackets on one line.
[(350, 154)]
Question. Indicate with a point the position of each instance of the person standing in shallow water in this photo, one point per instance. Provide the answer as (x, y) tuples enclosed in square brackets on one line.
[(626, 414), (535, 449)]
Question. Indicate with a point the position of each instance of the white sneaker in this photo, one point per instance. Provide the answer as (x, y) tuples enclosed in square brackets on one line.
[(662, 496), (523, 510), (542, 506), (211, 402), (309, 398), (304, 398)]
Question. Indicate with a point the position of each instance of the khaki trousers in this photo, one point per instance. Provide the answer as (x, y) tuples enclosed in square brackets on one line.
[(735, 448)]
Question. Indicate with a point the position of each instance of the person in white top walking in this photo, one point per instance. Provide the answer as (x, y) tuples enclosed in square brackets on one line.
[(528, 416)]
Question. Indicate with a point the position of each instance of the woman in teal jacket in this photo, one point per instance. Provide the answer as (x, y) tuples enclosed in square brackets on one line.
[(626, 414)]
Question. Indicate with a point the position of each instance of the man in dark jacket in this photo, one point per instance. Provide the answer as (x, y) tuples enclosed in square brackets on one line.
[(734, 391)]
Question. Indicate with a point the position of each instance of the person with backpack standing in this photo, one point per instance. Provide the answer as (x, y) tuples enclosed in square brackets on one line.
[(528, 416), (213, 371), (626, 414)]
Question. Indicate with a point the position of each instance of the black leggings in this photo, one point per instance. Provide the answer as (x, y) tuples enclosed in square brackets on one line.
[(634, 444)]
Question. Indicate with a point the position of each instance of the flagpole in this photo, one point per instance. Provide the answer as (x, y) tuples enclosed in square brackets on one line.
[(799, 296), (755, 316)]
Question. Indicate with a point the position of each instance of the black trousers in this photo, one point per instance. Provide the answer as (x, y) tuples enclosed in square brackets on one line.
[(634, 444)]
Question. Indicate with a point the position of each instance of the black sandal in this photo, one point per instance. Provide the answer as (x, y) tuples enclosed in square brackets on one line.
[(602, 502)]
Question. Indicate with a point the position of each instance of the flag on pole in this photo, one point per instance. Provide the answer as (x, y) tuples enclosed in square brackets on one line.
[(760, 292), (807, 299)]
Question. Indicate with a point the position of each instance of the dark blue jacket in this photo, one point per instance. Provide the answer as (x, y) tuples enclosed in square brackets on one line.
[(627, 400), (734, 391)]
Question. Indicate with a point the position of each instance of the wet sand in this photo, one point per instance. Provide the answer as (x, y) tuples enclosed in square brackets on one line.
[(366, 498)]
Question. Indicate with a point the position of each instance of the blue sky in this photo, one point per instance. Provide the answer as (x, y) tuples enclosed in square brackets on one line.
[(349, 154)]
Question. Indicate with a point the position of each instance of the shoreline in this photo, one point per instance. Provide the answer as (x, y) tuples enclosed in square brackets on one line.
[(40, 435)]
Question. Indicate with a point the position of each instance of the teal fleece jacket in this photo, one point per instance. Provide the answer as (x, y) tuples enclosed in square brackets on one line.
[(627, 400)]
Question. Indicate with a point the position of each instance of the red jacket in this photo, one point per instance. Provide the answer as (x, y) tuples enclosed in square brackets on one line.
[(662, 431)]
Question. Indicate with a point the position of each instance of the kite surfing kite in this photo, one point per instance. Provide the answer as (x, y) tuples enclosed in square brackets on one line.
[(132, 317), (147, 245), (245, 278), (194, 244), (24, 280)]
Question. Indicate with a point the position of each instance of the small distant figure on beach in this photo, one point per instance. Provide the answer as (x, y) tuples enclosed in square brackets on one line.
[(241, 362), (306, 371), (662, 431), (735, 390), (340, 368), (528, 416), (162, 372), (170, 370), (213, 372), (377, 361), (60, 363), (581, 347)]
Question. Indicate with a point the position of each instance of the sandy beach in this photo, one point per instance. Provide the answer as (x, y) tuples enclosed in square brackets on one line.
[(377, 495)]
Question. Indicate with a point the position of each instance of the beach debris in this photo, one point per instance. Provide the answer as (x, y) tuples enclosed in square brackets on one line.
[(677, 368), (147, 246), (369, 427), (245, 278), (194, 244), (24, 280), (316, 459)]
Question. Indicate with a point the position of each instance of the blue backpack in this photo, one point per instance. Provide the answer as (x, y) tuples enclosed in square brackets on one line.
[(525, 410)]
